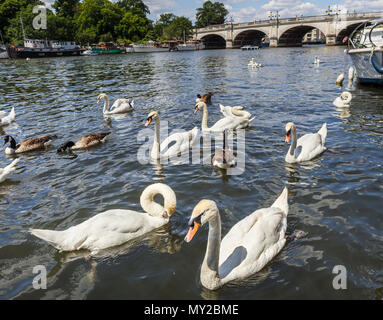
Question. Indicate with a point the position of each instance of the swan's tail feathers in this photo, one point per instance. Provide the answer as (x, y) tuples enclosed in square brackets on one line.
[(132, 103), (11, 167), (282, 202), (54, 238), (323, 132), (12, 115)]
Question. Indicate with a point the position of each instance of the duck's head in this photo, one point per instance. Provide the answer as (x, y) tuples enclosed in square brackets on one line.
[(203, 212), (100, 96), (10, 139), (151, 116), (289, 128), (64, 146)]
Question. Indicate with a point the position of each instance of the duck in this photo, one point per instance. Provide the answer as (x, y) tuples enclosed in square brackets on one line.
[(310, 145), (27, 145), (87, 141), (114, 227), (249, 245), (339, 80), (205, 98), (236, 111), (344, 100), (183, 140), (224, 158), (7, 119), (121, 105), (5, 172), (232, 123)]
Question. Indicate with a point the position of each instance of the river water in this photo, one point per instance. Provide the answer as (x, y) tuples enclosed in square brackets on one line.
[(335, 200)]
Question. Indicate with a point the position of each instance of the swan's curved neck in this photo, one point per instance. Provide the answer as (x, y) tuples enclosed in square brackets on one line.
[(293, 145), (204, 117), (209, 270), (154, 209), (157, 140), (106, 103)]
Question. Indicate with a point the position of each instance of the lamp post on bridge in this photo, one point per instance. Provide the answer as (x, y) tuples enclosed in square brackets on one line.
[(275, 16)]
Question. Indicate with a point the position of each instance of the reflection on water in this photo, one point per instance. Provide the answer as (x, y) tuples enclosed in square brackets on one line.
[(334, 199)]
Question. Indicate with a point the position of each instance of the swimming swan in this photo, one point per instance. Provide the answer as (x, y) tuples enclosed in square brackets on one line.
[(9, 118), (247, 247), (232, 123), (316, 60), (87, 141), (183, 140), (114, 227), (344, 100), (27, 145), (310, 145), (236, 111), (119, 106), (5, 172)]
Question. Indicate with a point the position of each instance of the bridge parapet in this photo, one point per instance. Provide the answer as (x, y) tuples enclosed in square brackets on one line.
[(329, 25)]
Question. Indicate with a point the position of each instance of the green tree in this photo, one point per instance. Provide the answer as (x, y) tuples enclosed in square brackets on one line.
[(134, 4), (178, 28), (166, 19), (66, 8), (211, 13), (133, 26)]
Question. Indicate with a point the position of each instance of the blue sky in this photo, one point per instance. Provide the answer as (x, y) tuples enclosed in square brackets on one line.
[(249, 10)]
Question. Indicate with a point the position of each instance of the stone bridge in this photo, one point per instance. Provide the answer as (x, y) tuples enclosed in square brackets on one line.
[(282, 32)]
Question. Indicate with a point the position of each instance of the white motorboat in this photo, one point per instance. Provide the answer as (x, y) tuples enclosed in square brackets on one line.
[(151, 46), (190, 46), (365, 47), (249, 48)]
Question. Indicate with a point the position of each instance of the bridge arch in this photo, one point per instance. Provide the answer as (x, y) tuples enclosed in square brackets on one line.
[(213, 41), (293, 36), (346, 32), (249, 37)]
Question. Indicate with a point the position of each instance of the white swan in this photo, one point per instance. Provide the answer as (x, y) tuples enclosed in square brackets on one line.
[(339, 80), (232, 123), (316, 60), (5, 172), (252, 63), (7, 119), (344, 100), (310, 145), (183, 140), (236, 111), (247, 247), (119, 106), (114, 227)]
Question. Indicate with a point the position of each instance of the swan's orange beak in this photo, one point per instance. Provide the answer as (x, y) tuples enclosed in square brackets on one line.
[(148, 122), (287, 138), (192, 231), (196, 109)]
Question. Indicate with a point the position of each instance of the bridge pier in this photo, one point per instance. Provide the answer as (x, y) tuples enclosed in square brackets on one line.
[(229, 44), (273, 42), (331, 40)]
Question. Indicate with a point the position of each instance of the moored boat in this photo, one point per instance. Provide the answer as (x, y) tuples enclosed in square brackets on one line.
[(107, 48), (150, 46), (190, 46), (34, 48), (365, 47)]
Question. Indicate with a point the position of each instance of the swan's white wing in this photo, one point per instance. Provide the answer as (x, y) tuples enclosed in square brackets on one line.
[(120, 106), (311, 145), (252, 243), (106, 229), (182, 141), (229, 123)]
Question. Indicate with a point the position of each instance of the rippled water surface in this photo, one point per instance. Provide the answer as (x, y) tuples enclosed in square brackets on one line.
[(336, 199)]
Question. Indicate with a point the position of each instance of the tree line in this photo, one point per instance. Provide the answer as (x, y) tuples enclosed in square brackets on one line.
[(93, 21)]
